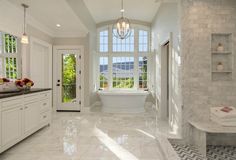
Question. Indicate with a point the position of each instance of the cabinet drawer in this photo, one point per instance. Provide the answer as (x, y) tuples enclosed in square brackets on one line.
[(44, 105), (45, 117), (31, 98), (11, 103), (44, 95)]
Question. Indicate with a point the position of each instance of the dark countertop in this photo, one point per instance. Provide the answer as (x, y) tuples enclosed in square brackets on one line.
[(18, 93)]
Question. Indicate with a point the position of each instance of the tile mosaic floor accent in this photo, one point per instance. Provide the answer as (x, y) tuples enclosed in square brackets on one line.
[(221, 152), (186, 152)]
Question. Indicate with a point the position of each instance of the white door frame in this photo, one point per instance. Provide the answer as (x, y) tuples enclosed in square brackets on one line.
[(55, 64), (163, 101), (27, 69)]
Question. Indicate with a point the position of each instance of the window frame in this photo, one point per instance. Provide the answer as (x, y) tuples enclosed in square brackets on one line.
[(5, 55), (136, 54)]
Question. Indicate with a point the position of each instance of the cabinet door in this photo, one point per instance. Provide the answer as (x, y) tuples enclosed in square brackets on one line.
[(11, 125), (31, 117)]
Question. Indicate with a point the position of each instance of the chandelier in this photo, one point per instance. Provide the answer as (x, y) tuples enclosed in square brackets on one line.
[(121, 28)]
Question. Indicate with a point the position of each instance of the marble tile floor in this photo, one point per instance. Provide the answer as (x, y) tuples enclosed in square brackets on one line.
[(162, 126), (92, 136)]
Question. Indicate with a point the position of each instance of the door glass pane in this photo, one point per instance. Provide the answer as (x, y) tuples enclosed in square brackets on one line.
[(68, 78)]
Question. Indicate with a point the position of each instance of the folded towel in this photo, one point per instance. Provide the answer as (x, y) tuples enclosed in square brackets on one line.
[(221, 113), (222, 123), (223, 120)]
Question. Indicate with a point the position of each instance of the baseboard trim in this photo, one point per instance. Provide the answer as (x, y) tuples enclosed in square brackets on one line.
[(68, 110)]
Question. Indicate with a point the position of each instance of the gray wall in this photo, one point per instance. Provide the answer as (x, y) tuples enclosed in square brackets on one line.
[(166, 21), (199, 19)]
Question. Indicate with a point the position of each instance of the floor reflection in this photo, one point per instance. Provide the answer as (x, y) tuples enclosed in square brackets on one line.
[(119, 151), (91, 136)]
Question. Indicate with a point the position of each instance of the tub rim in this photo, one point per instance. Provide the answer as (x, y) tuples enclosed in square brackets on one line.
[(123, 92)]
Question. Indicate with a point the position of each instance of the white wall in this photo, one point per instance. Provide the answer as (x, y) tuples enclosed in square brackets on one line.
[(166, 22)]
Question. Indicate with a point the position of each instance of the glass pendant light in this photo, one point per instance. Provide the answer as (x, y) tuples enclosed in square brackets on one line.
[(24, 38), (121, 28)]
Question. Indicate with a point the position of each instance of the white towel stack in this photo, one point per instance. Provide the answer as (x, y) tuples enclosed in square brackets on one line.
[(225, 116)]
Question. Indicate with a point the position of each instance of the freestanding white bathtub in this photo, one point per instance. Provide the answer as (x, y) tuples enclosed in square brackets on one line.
[(123, 101)]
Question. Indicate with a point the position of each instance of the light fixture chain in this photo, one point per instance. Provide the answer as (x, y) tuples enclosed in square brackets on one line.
[(122, 4), (122, 8)]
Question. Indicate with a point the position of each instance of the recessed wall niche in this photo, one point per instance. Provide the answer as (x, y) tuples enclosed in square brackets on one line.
[(222, 56)]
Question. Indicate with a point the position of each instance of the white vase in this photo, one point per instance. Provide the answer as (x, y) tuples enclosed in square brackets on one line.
[(220, 67), (220, 48)]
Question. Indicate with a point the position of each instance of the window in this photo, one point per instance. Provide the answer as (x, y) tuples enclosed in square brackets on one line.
[(143, 72), (123, 65), (103, 41), (143, 41), (8, 56), (103, 76), (125, 45), (123, 72)]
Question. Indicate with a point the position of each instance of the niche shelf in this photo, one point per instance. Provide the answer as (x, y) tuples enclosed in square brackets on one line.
[(222, 54)]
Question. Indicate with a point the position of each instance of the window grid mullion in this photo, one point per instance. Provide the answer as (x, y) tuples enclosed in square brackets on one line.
[(8, 44), (12, 50), (136, 63), (110, 77)]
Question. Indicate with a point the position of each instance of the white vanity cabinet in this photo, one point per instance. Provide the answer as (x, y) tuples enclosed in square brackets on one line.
[(11, 123), (31, 117), (21, 116)]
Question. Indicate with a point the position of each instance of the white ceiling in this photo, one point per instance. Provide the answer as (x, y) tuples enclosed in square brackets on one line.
[(45, 14), (105, 10), (52, 12)]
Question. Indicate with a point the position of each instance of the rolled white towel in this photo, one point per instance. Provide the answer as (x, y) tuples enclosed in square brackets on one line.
[(217, 111)]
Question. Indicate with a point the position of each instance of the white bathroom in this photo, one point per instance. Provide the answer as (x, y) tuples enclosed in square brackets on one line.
[(117, 80)]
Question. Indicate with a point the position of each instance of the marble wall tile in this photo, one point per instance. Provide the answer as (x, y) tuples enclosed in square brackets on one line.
[(199, 19)]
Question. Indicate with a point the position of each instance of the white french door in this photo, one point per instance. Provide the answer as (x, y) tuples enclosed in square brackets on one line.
[(68, 80)]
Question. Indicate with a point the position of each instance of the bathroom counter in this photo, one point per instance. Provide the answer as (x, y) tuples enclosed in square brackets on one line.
[(23, 92)]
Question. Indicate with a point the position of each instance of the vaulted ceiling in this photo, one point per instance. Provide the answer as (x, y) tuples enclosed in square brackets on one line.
[(104, 10), (52, 12)]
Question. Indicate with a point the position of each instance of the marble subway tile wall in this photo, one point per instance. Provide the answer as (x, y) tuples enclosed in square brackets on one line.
[(199, 19)]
